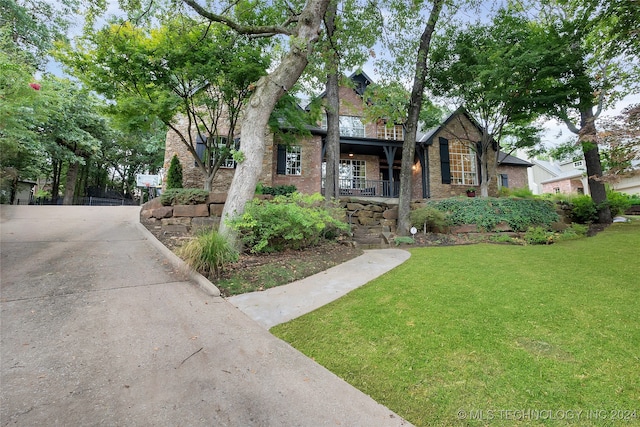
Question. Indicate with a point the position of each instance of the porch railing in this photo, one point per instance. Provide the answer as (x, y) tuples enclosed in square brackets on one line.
[(367, 187)]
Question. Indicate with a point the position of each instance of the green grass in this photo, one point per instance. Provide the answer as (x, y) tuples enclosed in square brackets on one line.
[(493, 328)]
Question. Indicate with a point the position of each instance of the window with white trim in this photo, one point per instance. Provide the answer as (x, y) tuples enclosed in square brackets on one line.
[(395, 132), (351, 126), (352, 173), (463, 164), (294, 160)]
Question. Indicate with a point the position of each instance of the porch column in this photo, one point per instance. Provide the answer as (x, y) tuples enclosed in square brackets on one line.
[(390, 153)]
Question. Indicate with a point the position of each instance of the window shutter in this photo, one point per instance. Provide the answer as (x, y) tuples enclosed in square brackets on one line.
[(281, 167), (504, 180), (200, 149), (444, 161)]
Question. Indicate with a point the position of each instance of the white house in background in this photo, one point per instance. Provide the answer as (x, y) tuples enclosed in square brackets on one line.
[(552, 177)]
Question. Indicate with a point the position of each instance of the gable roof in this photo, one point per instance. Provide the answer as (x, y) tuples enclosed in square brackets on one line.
[(426, 138), (508, 159)]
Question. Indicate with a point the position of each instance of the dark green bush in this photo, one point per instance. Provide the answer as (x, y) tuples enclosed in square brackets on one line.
[(288, 222), (208, 252), (583, 210), (184, 196), (430, 219), (486, 213), (278, 190), (174, 174), (618, 202)]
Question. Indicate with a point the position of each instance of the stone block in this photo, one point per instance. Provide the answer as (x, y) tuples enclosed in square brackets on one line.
[(354, 206), (391, 213), (388, 223), (465, 228), (217, 198), (374, 208), (163, 212), (146, 213), (215, 209), (364, 214), (366, 221), (152, 204), (191, 210)]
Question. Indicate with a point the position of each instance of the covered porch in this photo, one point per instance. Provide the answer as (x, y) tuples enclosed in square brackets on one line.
[(370, 167)]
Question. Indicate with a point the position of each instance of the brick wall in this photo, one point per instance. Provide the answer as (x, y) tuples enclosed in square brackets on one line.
[(517, 175)]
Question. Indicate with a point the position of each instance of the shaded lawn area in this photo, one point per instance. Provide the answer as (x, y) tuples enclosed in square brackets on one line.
[(492, 334)]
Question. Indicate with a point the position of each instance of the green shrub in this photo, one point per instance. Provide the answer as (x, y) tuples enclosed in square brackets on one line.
[(502, 238), (288, 222), (278, 190), (208, 252), (174, 174), (184, 196), (583, 210), (486, 213), (618, 202), (398, 240), (538, 236), (574, 231), (430, 219)]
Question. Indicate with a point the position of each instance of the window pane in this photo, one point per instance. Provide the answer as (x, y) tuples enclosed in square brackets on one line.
[(294, 161), (462, 164), (351, 126)]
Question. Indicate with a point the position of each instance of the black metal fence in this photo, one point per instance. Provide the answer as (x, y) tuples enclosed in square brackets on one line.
[(368, 188), (81, 201)]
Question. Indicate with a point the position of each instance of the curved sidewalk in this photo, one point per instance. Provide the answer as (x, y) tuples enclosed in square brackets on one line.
[(283, 303), (98, 327)]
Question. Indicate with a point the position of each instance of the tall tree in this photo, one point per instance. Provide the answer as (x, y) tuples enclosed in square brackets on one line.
[(193, 76), (598, 65), (302, 27), (489, 69)]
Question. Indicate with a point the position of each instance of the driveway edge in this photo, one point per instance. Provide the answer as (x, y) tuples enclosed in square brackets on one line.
[(203, 283)]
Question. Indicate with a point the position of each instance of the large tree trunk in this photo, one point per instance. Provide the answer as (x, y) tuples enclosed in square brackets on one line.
[(415, 104), (332, 106), (70, 185), (267, 92), (588, 138)]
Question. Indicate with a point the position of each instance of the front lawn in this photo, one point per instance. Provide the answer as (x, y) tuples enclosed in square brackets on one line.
[(492, 334)]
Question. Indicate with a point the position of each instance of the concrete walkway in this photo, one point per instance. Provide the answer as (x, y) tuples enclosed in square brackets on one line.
[(99, 327), (283, 303)]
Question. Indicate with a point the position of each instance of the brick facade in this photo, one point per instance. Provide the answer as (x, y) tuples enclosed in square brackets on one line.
[(310, 181)]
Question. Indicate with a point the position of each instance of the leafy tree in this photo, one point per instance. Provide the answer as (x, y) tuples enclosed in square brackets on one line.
[(596, 65), (174, 174), (72, 131), (302, 28), (489, 70), (620, 137), (192, 76)]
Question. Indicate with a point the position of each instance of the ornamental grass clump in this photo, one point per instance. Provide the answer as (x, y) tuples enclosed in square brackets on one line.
[(207, 253), (294, 222)]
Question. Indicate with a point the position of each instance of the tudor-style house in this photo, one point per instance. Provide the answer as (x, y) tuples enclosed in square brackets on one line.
[(370, 157)]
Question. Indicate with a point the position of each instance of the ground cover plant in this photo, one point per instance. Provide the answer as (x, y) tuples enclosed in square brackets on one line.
[(488, 212), (469, 335)]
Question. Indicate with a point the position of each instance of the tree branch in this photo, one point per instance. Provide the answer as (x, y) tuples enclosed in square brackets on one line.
[(259, 30)]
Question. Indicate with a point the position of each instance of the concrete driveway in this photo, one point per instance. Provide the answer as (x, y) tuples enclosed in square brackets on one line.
[(99, 328)]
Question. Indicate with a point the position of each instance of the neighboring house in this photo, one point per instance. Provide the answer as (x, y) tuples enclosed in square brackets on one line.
[(571, 178), (512, 171), (370, 157)]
